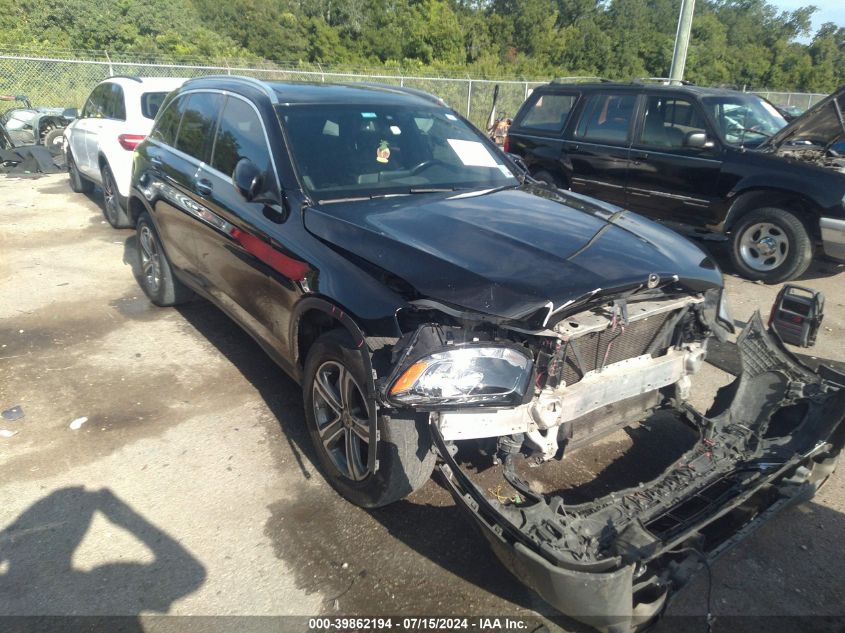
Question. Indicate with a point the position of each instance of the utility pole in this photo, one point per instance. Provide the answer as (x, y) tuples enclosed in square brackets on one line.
[(679, 56)]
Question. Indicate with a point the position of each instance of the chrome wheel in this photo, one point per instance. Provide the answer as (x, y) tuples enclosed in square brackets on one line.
[(763, 246), (110, 196), (150, 259), (340, 410)]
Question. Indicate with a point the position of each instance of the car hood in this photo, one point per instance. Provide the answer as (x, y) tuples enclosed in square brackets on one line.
[(513, 252), (822, 125)]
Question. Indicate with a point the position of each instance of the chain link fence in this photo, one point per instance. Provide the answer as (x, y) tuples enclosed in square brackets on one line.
[(66, 80)]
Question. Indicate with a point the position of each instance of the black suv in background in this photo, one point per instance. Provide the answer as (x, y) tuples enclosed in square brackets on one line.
[(707, 159), (428, 296)]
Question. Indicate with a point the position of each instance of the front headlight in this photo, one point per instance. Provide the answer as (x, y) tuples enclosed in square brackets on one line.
[(464, 375)]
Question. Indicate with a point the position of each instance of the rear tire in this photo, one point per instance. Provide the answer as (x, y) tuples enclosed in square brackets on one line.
[(113, 209), (549, 179), (155, 275), (78, 182), (771, 245), (337, 417)]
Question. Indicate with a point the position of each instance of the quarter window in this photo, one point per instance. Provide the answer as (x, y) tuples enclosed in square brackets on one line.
[(668, 122), (197, 127), (168, 124), (548, 113), (240, 135), (606, 118)]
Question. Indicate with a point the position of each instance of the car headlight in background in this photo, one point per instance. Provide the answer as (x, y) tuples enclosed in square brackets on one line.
[(464, 375)]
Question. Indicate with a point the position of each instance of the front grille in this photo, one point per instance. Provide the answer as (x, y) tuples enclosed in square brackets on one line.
[(593, 347)]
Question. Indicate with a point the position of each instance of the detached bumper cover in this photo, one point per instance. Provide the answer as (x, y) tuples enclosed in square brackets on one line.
[(613, 563)]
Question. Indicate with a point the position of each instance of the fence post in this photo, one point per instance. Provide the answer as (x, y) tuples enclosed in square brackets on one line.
[(525, 96), (108, 59), (402, 81), (469, 97)]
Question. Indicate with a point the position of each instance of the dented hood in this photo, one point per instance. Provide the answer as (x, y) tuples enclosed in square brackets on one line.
[(510, 252), (822, 125)]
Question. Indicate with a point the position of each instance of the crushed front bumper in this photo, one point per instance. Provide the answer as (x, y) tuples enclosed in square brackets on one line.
[(614, 562)]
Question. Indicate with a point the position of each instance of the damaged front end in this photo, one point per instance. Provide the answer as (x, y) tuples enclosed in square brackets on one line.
[(613, 562)]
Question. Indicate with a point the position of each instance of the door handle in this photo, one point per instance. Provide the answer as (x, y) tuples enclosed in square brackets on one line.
[(203, 187), (638, 156), (573, 147), (155, 163)]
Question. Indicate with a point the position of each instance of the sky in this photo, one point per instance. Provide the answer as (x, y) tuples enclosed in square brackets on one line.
[(828, 10)]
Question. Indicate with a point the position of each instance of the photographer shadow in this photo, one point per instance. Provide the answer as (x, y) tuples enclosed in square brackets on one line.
[(37, 576)]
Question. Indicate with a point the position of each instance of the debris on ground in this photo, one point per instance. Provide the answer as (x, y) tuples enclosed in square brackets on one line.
[(13, 413), (77, 423), (30, 159)]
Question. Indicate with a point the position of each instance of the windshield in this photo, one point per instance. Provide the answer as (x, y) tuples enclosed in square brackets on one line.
[(744, 120), (354, 151)]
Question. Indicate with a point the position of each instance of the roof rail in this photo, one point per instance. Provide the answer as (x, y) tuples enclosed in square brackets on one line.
[(666, 81), (251, 81), (573, 80), (131, 77), (422, 94)]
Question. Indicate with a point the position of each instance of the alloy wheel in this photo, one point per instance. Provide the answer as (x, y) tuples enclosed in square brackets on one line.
[(150, 259), (340, 411), (110, 196), (763, 246)]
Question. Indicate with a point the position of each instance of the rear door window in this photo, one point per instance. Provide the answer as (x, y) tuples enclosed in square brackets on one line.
[(607, 118), (95, 107), (548, 112), (198, 122), (115, 103), (167, 126), (240, 135)]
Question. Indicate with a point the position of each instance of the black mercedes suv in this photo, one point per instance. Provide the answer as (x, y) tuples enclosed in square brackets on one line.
[(704, 158), (428, 296)]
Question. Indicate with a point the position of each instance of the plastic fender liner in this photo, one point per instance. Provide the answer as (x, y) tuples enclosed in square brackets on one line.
[(771, 446)]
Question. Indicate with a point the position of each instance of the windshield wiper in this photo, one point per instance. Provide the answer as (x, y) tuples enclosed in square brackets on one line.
[(431, 189)]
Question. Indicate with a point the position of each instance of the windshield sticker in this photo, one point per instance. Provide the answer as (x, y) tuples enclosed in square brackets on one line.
[(451, 117), (368, 115), (472, 153), (395, 129), (383, 152)]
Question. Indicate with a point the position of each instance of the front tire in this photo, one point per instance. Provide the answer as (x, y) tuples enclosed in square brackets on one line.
[(53, 141), (337, 416), (78, 183), (155, 275), (771, 245), (113, 209)]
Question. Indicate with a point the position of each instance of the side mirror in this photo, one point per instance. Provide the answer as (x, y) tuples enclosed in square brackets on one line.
[(248, 179), (697, 140), (70, 113)]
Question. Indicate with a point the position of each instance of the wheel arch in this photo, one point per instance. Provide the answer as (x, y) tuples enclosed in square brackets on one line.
[(314, 316), (136, 206), (807, 211)]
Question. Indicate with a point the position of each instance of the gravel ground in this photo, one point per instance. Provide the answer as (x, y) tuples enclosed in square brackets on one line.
[(190, 487)]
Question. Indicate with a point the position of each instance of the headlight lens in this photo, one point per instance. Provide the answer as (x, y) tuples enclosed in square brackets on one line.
[(465, 375)]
